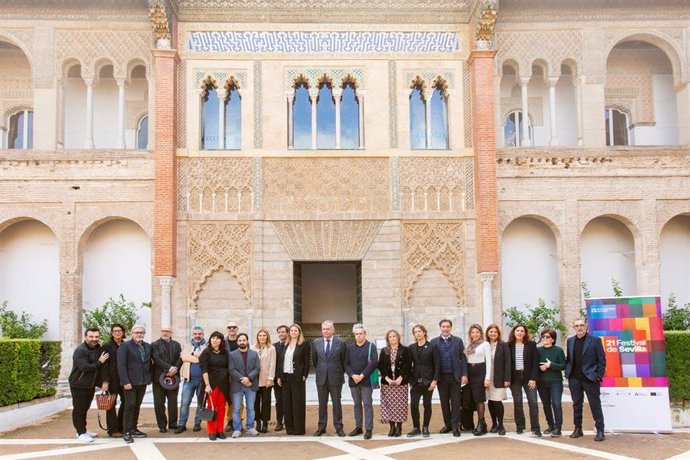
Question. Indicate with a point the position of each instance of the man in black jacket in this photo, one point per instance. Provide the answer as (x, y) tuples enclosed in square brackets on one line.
[(282, 332), (134, 369), (426, 371), (167, 361), (361, 360), (453, 375), (86, 363)]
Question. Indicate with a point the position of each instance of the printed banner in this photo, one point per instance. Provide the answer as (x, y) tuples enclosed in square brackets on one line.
[(634, 392)]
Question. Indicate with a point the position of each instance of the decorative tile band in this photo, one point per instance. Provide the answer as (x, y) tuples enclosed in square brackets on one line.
[(323, 42)]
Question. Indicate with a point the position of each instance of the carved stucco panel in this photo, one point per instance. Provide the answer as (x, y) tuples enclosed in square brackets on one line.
[(327, 240), (525, 47), (214, 184), (436, 184), (219, 246), (429, 245)]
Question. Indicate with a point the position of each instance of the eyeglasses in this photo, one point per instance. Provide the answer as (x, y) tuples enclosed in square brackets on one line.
[(546, 336), (232, 327)]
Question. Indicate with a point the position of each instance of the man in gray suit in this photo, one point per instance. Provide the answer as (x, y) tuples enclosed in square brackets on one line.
[(244, 370), (328, 356)]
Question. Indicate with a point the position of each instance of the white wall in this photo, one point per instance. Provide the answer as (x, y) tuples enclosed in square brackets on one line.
[(75, 113), (105, 111), (566, 111), (329, 291), (674, 249), (607, 251), (29, 272), (117, 260), (529, 264), (665, 131)]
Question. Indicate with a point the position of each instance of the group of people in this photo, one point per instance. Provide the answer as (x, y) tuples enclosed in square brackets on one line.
[(235, 379)]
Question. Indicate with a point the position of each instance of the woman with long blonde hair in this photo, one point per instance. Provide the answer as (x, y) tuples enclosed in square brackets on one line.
[(267, 372), (293, 369)]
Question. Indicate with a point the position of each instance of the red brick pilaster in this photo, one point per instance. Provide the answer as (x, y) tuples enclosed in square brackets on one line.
[(165, 176), (484, 141)]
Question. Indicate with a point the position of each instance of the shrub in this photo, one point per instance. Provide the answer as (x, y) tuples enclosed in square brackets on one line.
[(536, 318), (113, 311), (20, 373), (677, 363), (49, 363), (676, 318), (15, 326)]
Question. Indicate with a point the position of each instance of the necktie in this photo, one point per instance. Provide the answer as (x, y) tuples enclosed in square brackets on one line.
[(328, 347)]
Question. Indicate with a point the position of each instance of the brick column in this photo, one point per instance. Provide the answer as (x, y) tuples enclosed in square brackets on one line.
[(484, 141), (165, 177)]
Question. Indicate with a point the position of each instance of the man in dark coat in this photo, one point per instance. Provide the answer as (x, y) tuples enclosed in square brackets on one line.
[(86, 363), (453, 375), (282, 332), (167, 361), (134, 369), (584, 369), (328, 357), (111, 380), (361, 359), (426, 372)]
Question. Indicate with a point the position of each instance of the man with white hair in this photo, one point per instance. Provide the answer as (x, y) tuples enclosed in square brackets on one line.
[(328, 356), (361, 359), (134, 369)]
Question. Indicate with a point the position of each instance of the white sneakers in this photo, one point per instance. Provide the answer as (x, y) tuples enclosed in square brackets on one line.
[(236, 434), (93, 435), (85, 438), (252, 432)]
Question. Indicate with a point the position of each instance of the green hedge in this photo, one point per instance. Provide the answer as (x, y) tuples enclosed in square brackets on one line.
[(678, 364), (28, 369)]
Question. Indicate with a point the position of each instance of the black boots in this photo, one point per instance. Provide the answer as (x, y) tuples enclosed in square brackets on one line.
[(391, 432), (481, 428), (398, 430)]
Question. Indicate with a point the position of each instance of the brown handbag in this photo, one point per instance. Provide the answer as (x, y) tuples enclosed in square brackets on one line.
[(105, 400)]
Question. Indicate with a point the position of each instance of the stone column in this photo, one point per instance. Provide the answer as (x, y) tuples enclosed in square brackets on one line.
[(427, 113), (166, 283), (313, 95), (60, 135), (88, 143), (290, 95), (487, 279), (337, 95), (551, 83), (360, 97), (526, 141), (578, 82), (221, 118), (120, 113)]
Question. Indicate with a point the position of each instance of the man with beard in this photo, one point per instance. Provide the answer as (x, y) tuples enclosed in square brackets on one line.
[(282, 332), (230, 346), (166, 361), (453, 375), (244, 370), (191, 375), (134, 369), (86, 363)]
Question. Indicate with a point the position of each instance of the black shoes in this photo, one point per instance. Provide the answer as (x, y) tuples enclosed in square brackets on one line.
[(319, 432), (356, 432), (264, 428), (221, 435), (197, 427), (501, 430), (536, 434), (599, 436), (456, 432), (163, 430), (391, 432), (127, 437), (577, 432), (549, 430), (212, 436), (556, 433), (425, 432), (520, 430), (367, 434), (398, 430), (339, 432), (138, 434), (279, 426), (481, 429), (445, 429), (180, 429), (494, 428), (415, 432)]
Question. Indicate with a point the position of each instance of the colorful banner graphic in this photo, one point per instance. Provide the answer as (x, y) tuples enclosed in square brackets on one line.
[(634, 392)]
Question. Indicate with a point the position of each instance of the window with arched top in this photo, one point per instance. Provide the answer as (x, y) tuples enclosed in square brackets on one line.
[(616, 127), (350, 136), (512, 129), (233, 116), (20, 131), (418, 126), (209, 117), (143, 133), (301, 117), (439, 115), (325, 116)]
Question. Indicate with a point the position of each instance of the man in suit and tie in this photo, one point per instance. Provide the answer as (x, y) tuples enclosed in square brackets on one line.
[(282, 332), (453, 375), (134, 369), (584, 369), (244, 370), (328, 356)]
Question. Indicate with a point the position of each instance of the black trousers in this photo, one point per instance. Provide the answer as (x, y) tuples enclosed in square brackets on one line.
[(115, 417), (81, 401), (133, 399), (262, 405), (578, 387), (294, 404), (449, 393), (416, 392), (468, 408), (278, 391), (160, 396), (335, 391)]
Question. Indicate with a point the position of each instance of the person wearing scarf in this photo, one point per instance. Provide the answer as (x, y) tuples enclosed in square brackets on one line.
[(479, 364), (190, 374)]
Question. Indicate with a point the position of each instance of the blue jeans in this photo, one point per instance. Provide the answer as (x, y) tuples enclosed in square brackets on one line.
[(249, 400), (189, 389), (550, 394)]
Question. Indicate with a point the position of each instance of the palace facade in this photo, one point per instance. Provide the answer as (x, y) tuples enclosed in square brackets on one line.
[(387, 161)]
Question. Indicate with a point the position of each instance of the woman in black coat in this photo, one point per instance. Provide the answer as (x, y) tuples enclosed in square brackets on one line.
[(525, 370), (111, 379), (394, 367), (293, 370), (500, 377)]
